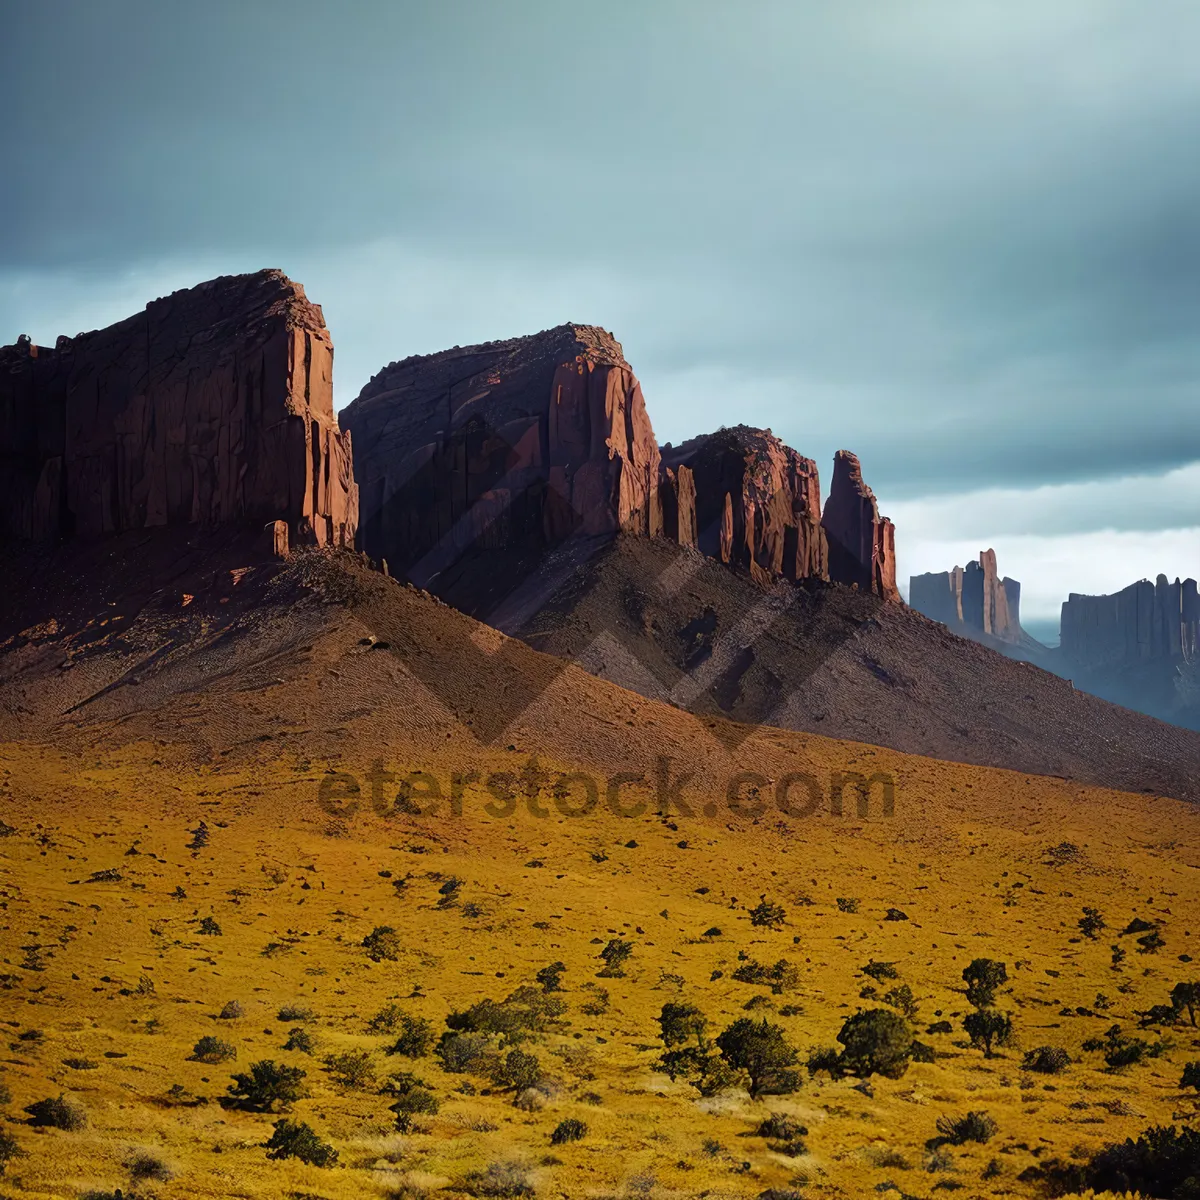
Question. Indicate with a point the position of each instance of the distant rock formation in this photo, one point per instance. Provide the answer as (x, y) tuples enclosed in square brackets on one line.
[(511, 444), (758, 502), (862, 544), (213, 405), (517, 445), (972, 601), (1144, 622)]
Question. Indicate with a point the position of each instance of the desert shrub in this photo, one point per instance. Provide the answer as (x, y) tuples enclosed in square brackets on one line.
[(762, 1051), (146, 1165), (213, 1050), (413, 1097), (847, 904), (902, 998), (462, 1052), (781, 1128), (518, 1071), (982, 977), (230, 1012), (780, 977), (1162, 1162), (9, 1149), (923, 1053), (879, 971), (940, 1027), (416, 1038), (615, 955), (1186, 996), (503, 1181), (266, 1085), (551, 977), (386, 1020), (988, 1029), (569, 1130), (1151, 943), (713, 932), (1091, 924), (1159, 1014), (382, 943), (352, 1068), (449, 891), (526, 1011), (681, 1024), (301, 1040), (597, 1005), (828, 1059), (296, 1139), (973, 1127), (209, 928), (876, 1041), (895, 914), (1048, 1060), (295, 1012), (58, 1112), (767, 914)]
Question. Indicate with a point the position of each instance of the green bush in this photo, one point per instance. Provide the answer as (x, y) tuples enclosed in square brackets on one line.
[(526, 1011), (295, 1012), (1191, 1076), (518, 1071), (983, 977), (413, 1098), (382, 943), (462, 1052), (768, 915), (213, 1050), (879, 971), (551, 977), (974, 1127), (569, 1130), (1162, 1162), (295, 1139), (386, 1020), (1048, 1060), (352, 1068), (58, 1112), (301, 1040), (877, 1041), (828, 1059), (615, 955), (416, 1038), (987, 1029), (760, 1050), (266, 1085), (9, 1149)]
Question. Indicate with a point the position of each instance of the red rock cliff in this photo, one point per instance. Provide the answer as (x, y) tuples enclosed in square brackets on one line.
[(757, 502), (510, 444), (862, 544), (213, 405)]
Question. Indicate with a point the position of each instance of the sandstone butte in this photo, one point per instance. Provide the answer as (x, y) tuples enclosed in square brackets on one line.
[(975, 599), (1145, 622), (212, 406), (521, 444)]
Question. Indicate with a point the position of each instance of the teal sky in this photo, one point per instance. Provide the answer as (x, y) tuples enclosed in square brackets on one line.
[(960, 238)]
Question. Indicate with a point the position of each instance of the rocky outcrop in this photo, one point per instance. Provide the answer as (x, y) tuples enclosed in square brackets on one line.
[(1143, 623), (971, 601), (519, 445), (511, 444), (862, 544), (758, 502), (213, 405)]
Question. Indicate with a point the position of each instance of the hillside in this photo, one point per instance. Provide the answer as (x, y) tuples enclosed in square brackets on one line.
[(172, 774)]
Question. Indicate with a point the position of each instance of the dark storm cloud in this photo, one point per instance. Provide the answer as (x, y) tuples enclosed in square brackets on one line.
[(960, 237)]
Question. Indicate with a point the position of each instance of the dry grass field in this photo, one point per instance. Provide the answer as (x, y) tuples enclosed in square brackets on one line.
[(109, 979)]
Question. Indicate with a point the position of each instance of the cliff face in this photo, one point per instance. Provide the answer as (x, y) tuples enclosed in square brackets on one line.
[(971, 601), (1145, 622), (862, 544), (758, 503), (511, 444), (517, 445), (213, 405)]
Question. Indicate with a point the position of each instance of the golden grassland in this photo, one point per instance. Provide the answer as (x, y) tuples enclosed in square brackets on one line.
[(121, 983)]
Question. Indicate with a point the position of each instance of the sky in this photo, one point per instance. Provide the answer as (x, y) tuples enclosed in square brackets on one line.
[(960, 238)]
